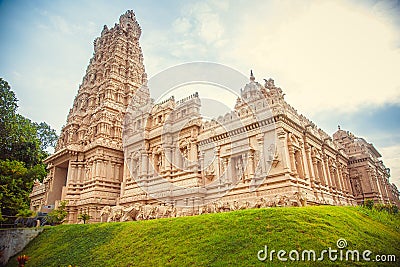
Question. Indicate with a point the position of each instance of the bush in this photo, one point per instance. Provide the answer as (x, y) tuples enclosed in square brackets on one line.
[(84, 217), (389, 208), (368, 203), (26, 213), (57, 216)]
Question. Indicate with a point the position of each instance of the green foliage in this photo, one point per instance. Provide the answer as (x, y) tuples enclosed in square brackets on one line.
[(16, 181), (389, 208), (84, 217), (14, 187), (368, 203), (221, 239), (26, 213), (57, 216), (22, 149), (46, 135)]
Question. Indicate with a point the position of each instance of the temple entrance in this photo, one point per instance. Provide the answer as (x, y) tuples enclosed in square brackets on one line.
[(59, 182)]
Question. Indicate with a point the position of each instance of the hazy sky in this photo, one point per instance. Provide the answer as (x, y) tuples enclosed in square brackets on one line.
[(337, 61)]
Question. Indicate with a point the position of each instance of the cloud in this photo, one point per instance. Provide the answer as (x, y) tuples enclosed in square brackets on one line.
[(325, 55), (195, 34), (391, 158), (182, 25)]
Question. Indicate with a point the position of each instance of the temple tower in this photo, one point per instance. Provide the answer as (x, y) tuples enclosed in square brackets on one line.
[(87, 166)]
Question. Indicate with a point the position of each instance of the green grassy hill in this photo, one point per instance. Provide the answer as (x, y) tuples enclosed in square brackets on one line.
[(223, 239)]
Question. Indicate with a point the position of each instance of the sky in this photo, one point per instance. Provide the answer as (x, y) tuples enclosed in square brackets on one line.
[(338, 62)]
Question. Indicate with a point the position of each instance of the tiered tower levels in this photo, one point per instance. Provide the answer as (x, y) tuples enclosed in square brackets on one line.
[(87, 166)]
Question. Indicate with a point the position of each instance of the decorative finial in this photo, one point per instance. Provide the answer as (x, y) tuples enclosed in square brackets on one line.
[(338, 127), (252, 76)]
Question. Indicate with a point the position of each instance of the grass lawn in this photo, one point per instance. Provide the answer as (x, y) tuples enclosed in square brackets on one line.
[(222, 239)]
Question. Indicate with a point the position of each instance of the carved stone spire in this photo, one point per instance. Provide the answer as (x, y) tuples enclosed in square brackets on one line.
[(114, 73), (252, 78)]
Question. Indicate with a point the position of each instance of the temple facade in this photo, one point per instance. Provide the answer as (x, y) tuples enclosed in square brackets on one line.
[(119, 148)]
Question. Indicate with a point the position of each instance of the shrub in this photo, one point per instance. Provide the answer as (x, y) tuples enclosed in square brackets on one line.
[(84, 217), (368, 203), (57, 216)]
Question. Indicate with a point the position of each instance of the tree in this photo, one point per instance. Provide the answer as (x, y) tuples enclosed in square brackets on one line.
[(16, 181), (58, 215), (22, 150), (46, 135), (8, 107), (8, 101), (84, 217)]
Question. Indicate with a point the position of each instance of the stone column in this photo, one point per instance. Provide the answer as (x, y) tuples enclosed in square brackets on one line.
[(127, 173), (263, 155), (375, 177), (325, 169), (144, 162), (386, 195), (202, 168), (332, 176), (315, 168), (341, 179), (168, 160), (193, 151), (309, 162), (305, 165), (218, 169), (94, 170), (112, 170), (227, 170), (251, 165), (71, 173), (163, 162), (153, 170), (282, 136), (292, 159), (118, 172), (78, 173), (109, 173), (338, 180), (347, 177), (103, 168)]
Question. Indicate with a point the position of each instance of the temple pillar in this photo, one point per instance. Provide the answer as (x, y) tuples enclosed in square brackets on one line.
[(292, 160), (118, 172), (282, 136), (124, 179), (168, 160), (309, 163), (315, 170), (262, 157), (340, 177), (202, 168), (332, 177), (79, 173), (347, 177), (325, 170), (250, 165), (305, 165), (338, 180), (144, 163), (93, 170), (218, 169)]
